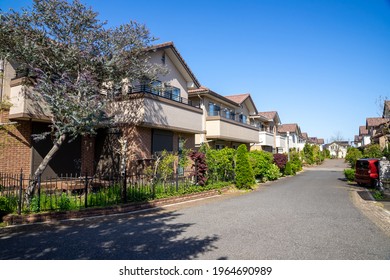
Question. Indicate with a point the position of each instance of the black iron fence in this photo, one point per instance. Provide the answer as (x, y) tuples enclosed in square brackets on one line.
[(71, 192)]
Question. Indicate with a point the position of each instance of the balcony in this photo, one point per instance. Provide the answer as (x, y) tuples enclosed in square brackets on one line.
[(229, 129), (157, 110), (266, 139)]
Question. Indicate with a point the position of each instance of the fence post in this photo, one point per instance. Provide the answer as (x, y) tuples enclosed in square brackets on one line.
[(20, 192), (86, 190), (124, 187), (177, 178)]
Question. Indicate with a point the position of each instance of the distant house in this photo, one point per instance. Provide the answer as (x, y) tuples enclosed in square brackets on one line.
[(292, 132), (269, 138), (337, 149), (226, 119)]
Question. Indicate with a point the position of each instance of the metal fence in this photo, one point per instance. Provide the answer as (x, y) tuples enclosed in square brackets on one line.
[(68, 192)]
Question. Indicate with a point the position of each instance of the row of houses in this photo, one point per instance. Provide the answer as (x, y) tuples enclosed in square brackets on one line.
[(177, 112), (376, 129)]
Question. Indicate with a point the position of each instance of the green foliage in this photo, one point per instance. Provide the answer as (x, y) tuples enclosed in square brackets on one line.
[(288, 170), (349, 174), (295, 159), (372, 151), (165, 166), (7, 205), (220, 164), (273, 172), (244, 172), (353, 154), (64, 202), (308, 154), (261, 163), (378, 195)]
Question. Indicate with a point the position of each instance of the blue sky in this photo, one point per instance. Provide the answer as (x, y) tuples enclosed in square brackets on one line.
[(321, 64)]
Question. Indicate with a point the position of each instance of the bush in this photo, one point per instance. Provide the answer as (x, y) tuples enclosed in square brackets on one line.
[(273, 172), (200, 167), (349, 174), (64, 202), (261, 162), (244, 172), (220, 164), (353, 154), (280, 160), (6, 206), (296, 162), (288, 170), (372, 151)]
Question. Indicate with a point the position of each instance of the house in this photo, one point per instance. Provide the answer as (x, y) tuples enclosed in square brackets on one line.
[(226, 119), (337, 149), (293, 134), (364, 136), (269, 138), (376, 128), (150, 119)]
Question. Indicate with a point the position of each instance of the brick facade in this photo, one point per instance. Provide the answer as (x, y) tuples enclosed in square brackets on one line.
[(15, 145)]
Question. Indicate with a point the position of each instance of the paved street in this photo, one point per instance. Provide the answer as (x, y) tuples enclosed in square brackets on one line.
[(309, 216)]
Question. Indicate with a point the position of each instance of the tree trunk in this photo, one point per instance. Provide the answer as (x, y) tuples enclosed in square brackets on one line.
[(34, 181)]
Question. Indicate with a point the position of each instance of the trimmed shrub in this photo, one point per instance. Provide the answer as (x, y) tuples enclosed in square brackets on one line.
[(220, 164), (349, 174), (273, 172), (288, 170), (372, 151), (200, 166), (353, 154), (244, 173), (261, 162)]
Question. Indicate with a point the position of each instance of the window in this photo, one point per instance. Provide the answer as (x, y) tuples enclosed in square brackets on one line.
[(172, 93), (214, 109), (162, 140), (242, 118)]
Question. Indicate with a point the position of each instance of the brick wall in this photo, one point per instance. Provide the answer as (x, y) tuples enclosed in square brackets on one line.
[(15, 146)]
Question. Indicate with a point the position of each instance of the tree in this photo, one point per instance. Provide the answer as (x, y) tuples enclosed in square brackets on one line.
[(353, 154), (244, 173), (73, 65)]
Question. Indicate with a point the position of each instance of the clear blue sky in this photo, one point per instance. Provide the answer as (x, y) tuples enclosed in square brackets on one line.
[(321, 64)]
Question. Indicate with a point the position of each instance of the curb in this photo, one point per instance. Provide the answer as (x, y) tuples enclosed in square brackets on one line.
[(373, 210), (13, 219)]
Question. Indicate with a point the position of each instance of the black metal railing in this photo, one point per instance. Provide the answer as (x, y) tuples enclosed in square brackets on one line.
[(165, 92)]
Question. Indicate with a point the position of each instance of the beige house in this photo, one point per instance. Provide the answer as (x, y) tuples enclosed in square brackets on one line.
[(226, 119), (150, 118), (293, 135), (269, 138), (376, 128)]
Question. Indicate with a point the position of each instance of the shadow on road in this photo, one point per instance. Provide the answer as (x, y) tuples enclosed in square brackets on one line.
[(153, 236)]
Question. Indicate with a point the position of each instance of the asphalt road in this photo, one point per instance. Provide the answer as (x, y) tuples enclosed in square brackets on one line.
[(309, 216)]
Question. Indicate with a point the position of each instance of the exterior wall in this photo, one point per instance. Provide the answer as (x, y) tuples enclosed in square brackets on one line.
[(266, 138), (5, 82), (366, 140), (87, 155), (174, 77), (15, 146)]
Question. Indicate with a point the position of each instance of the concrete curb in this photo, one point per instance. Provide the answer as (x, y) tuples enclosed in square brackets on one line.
[(13, 219), (373, 210)]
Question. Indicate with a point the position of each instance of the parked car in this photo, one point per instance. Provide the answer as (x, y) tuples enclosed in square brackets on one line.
[(367, 171)]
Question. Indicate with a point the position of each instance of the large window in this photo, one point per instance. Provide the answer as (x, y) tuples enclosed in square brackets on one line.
[(214, 109), (162, 140)]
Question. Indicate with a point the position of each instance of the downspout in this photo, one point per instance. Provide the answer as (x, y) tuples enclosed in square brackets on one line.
[(2, 66)]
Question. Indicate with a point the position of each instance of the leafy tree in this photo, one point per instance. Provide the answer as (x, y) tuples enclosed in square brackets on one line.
[(69, 58), (308, 154), (353, 154), (244, 173), (372, 151)]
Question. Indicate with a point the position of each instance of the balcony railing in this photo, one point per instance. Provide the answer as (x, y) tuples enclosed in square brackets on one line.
[(166, 92), (228, 115)]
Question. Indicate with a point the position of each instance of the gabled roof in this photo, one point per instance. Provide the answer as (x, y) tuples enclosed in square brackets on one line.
[(292, 127), (270, 116), (320, 141), (242, 98), (206, 91), (305, 135), (375, 122), (363, 130), (177, 55)]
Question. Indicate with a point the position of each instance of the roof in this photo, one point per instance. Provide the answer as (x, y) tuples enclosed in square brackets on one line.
[(363, 130), (292, 127), (268, 115), (170, 45), (238, 98), (320, 141), (202, 90), (374, 122), (241, 98)]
